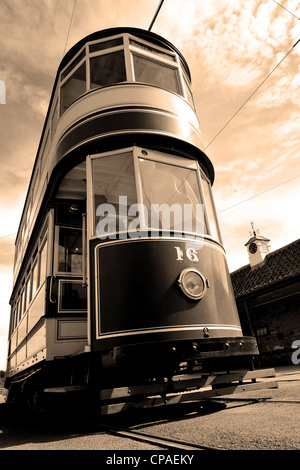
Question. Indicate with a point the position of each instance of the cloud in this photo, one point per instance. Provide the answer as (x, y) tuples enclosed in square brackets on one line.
[(7, 250)]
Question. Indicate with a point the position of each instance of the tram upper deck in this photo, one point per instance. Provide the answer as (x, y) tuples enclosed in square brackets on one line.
[(117, 82)]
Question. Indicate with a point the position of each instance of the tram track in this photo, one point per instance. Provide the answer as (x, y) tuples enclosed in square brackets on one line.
[(163, 442), (168, 443)]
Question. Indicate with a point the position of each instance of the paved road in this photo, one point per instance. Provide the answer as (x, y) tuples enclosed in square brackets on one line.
[(239, 425)]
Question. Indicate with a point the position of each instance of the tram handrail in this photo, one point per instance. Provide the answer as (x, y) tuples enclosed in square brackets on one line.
[(84, 252)]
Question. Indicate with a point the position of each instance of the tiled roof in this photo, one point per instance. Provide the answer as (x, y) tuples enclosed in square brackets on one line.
[(278, 265)]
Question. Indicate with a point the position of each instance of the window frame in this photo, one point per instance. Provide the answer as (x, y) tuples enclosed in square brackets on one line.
[(129, 49), (56, 249), (160, 157), (59, 296)]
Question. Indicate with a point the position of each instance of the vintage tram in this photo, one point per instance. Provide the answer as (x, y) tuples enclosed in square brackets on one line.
[(121, 286)]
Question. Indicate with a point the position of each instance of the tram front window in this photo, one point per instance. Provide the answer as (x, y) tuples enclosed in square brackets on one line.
[(114, 191), (172, 197)]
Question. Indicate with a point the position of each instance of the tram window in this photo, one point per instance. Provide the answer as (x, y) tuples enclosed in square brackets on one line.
[(23, 305), (69, 251), (34, 278), (107, 69), (177, 189), (16, 319), (156, 73), (152, 49), (72, 88), (54, 119), (28, 290), (100, 46), (72, 296), (214, 229), (73, 64), (43, 260), (188, 91), (113, 184)]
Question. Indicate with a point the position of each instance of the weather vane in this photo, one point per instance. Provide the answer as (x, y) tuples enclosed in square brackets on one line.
[(254, 232)]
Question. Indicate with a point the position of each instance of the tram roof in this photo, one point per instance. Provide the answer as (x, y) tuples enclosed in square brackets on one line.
[(106, 33)]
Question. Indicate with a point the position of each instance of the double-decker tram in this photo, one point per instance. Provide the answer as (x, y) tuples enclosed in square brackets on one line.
[(121, 287)]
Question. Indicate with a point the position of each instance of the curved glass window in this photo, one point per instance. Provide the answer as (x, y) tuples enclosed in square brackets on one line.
[(172, 197), (120, 59), (210, 208), (114, 191), (100, 46), (156, 73), (73, 88), (107, 69), (72, 65), (152, 49)]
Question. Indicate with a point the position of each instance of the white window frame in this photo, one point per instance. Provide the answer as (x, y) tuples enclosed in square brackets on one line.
[(138, 152)]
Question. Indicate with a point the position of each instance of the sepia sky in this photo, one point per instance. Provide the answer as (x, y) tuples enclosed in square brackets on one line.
[(231, 47)]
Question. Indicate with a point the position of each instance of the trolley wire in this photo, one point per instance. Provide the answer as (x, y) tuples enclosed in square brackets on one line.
[(252, 94), (286, 9), (155, 16), (259, 194), (71, 20)]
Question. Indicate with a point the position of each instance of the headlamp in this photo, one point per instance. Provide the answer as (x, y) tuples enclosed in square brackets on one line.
[(192, 283)]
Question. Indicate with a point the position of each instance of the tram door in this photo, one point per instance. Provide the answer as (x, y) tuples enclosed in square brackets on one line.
[(69, 294)]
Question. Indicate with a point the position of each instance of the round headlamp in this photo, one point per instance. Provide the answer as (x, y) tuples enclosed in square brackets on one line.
[(192, 283)]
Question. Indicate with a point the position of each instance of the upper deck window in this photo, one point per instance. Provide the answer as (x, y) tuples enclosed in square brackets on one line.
[(73, 87), (100, 46), (107, 69), (153, 72), (120, 59), (73, 64), (152, 50)]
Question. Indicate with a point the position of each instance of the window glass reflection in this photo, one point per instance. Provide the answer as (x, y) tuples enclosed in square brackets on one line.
[(73, 88), (150, 71), (114, 191), (73, 296), (171, 192), (107, 69), (214, 229), (100, 46)]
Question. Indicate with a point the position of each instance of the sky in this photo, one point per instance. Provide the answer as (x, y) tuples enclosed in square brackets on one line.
[(232, 47)]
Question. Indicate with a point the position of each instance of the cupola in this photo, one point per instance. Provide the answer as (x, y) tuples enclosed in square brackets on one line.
[(258, 247)]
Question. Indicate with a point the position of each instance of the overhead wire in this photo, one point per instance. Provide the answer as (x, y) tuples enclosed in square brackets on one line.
[(252, 94), (9, 235), (283, 182), (155, 16), (259, 194), (286, 9), (71, 20)]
